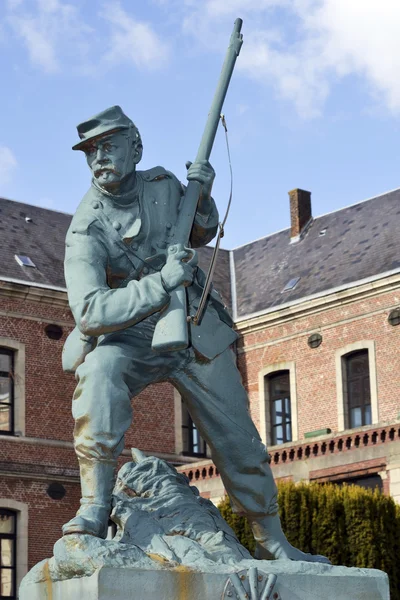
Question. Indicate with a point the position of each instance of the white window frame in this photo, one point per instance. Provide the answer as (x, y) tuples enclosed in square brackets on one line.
[(342, 406), (21, 510), (265, 408), (18, 349)]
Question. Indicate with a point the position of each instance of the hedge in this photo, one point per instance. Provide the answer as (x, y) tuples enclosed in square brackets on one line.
[(350, 525)]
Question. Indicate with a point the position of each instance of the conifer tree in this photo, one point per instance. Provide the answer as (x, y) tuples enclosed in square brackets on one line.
[(350, 525)]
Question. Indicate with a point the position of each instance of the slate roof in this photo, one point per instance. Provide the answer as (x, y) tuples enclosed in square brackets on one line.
[(43, 240), (360, 241), (222, 279)]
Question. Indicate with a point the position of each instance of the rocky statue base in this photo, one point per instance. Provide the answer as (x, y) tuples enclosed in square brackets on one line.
[(171, 544)]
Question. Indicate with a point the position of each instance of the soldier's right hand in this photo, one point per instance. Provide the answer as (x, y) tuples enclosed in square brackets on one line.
[(176, 272)]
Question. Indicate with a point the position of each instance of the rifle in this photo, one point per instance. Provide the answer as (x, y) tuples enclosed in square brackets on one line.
[(171, 332)]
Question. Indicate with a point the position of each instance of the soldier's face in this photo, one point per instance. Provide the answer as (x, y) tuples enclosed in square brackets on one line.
[(107, 159)]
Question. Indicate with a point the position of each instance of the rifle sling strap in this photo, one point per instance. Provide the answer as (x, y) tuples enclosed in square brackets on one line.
[(196, 319)]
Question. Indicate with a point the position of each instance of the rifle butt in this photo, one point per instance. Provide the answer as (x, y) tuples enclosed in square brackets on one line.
[(172, 332)]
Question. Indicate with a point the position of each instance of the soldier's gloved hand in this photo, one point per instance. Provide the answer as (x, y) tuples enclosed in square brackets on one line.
[(204, 173), (176, 272)]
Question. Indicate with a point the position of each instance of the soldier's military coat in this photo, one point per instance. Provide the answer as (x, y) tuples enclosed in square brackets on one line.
[(112, 271)]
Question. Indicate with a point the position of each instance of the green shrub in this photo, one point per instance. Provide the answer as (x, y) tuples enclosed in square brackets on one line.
[(350, 525)]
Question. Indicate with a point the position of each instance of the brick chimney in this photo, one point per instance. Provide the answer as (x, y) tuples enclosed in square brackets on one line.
[(300, 213)]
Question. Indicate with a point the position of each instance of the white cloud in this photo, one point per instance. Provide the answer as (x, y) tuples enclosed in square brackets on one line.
[(217, 8), (362, 37), (303, 47), (55, 32), (8, 164), (133, 40), (48, 28), (41, 50)]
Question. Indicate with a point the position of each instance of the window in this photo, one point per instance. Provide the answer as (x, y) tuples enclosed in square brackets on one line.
[(358, 389), (287, 369), (369, 482), (14, 550), (356, 385), (8, 553), (279, 399), (6, 391), (193, 443)]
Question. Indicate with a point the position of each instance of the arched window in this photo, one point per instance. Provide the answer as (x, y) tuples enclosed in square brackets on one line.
[(357, 388), (8, 553), (193, 443), (6, 391), (280, 407)]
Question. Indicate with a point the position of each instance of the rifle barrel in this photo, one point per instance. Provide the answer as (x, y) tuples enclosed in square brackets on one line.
[(188, 212), (171, 332), (211, 127)]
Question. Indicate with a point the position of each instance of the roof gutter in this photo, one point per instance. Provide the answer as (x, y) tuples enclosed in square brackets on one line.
[(34, 284)]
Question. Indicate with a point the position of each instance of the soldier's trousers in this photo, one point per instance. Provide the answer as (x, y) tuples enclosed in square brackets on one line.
[(123, 364)]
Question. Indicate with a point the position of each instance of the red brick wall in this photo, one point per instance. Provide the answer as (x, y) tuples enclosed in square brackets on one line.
[(45, 516), (316, 368), (357, 469), (49, 392)]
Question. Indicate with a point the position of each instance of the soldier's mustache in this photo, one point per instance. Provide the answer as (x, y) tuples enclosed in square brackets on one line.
[(108, 169)]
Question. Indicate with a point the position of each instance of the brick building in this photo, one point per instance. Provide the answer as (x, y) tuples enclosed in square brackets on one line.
[(316, 307)]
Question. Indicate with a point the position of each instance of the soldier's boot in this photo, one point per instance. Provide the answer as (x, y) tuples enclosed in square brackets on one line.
[(271, 542), (97, 482)]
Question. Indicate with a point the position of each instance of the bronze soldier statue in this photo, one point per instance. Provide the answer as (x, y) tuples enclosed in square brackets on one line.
[(118, 286)]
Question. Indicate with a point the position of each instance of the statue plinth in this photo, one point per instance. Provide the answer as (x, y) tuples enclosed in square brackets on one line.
[(171, 544), (303, 582)]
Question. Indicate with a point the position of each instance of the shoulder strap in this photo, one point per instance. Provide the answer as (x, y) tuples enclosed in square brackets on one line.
[(155, 174)]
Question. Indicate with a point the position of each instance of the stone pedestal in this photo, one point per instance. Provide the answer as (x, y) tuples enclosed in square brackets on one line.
[(295, 581), (171, 544)]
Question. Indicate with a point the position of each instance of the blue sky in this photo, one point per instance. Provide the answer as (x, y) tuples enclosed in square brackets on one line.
[(314, 101)]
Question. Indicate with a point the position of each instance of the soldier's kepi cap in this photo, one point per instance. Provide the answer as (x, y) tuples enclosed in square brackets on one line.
[(109, 120)]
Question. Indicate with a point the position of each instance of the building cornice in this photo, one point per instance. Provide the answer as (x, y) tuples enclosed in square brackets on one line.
[(40, 442), (337, 444), (47, 474), (276, 315), (332, 298), (33, 292)]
